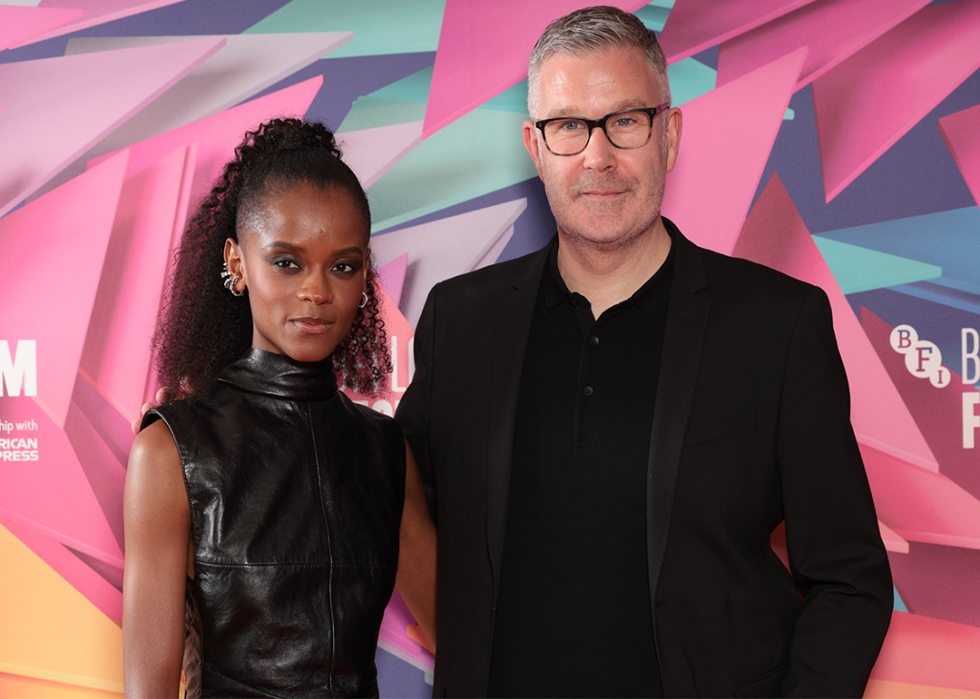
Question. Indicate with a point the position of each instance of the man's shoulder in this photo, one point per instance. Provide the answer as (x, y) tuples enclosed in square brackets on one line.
[(738, 278)]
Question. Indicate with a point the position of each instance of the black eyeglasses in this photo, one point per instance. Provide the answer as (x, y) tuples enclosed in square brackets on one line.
[(629, 128)]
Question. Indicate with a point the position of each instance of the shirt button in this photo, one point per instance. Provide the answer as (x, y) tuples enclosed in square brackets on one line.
[(593, 340), (588, 391), (574, 301)]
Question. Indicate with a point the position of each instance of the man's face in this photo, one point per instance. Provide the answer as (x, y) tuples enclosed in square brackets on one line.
[(604, 196)]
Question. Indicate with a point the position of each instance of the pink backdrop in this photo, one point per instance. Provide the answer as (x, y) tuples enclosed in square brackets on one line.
[(836, 140)]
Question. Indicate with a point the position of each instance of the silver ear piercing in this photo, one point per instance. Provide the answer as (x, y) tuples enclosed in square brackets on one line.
[(229, 280)]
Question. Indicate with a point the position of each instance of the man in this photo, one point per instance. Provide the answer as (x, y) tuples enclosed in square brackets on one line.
[(610, 429)]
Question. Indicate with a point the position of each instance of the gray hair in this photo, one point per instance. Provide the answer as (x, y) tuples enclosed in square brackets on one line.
[(592, 30)]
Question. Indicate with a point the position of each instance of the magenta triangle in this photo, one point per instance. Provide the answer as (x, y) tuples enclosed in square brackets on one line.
[(54, 249), (868, 102), (695, 25), (21, 25), (961, 131), (831, 31), (483, 51), (725, 142), (100, 12)]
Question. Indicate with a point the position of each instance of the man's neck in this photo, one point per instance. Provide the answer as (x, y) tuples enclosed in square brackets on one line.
[(610, 276)]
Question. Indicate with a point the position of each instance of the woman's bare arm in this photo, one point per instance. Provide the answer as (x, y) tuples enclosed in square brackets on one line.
[(157, 521), (416, 580)]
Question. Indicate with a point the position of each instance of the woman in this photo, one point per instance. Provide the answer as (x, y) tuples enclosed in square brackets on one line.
[(265, 511)]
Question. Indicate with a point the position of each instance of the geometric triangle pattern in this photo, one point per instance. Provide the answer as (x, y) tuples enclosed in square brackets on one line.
[(106, 476), (859, 269), (696, 25), (153, 96), (392, 277), (100, 91), (53, 632), (944, 239), (245, 66), (831, 31), (371, 153), (961, 131), (484, 35), (37, 255), (776, 236), (98, 12), (494, 161), (915, 66), (394, 639), (94, 587), (921, 506), (726, 139), (216, 137), (437, 250), (116, 358), (381, 27), (53, 497), (937, 411), (19, 25)]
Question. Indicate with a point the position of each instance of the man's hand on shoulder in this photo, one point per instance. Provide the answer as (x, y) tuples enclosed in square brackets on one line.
[(161, 398)]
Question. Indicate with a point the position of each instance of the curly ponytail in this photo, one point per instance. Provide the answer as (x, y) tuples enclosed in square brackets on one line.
[(203, 328)]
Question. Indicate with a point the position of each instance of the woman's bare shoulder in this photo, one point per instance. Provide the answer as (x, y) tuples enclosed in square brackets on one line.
[(154, 469)]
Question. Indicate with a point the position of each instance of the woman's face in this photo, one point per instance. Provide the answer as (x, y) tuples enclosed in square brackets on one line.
[(305, 267)]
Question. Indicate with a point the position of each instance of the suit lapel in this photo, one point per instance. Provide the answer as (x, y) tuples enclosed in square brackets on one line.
[(512, 325), (687, 319)]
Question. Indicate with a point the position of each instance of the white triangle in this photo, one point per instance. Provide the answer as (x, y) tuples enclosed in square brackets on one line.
[(54, 109), (446, 248), (245, 66), (370, 153)]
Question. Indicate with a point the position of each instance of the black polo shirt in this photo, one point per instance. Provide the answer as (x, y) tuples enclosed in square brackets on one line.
[(573, 616)]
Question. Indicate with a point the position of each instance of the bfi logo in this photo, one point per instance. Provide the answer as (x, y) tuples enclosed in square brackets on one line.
[(924, 361), (922, 358), (18, 371)]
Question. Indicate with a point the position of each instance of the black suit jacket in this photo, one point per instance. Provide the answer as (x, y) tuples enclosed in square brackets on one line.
[(751, 427)]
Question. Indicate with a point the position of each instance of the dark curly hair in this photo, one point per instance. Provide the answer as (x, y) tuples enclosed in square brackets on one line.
[(203, 328)]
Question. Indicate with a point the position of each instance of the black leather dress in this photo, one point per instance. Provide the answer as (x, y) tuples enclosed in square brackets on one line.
[(296, 496)]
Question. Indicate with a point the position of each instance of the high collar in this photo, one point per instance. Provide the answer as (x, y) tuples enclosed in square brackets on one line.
[(279, 376)]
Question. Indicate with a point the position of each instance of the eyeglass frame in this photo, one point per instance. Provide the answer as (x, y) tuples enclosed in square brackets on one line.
[(601, 124)]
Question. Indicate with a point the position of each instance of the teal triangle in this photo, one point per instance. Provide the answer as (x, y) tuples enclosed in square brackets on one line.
[(899, 605), (380, 27), (654, 15), (480, 152), (860, 269), (947, 239), (689, 79)]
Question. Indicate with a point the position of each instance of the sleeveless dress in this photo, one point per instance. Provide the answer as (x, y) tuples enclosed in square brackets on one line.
[(296, 495)]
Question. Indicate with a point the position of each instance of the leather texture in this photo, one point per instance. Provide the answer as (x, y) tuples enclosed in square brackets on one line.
[(296, 496)]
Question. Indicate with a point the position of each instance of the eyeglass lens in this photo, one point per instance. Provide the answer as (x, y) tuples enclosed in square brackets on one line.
[(570, 136)]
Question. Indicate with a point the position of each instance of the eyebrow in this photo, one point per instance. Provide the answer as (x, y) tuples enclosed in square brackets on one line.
[(349, 251), (574, 110), (282, 244), (298, 248)]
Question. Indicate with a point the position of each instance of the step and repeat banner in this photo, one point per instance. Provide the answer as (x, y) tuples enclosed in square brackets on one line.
[(835, 140)]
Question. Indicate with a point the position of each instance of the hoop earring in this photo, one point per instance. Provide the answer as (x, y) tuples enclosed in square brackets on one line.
[(364, 300), (228, 280)]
